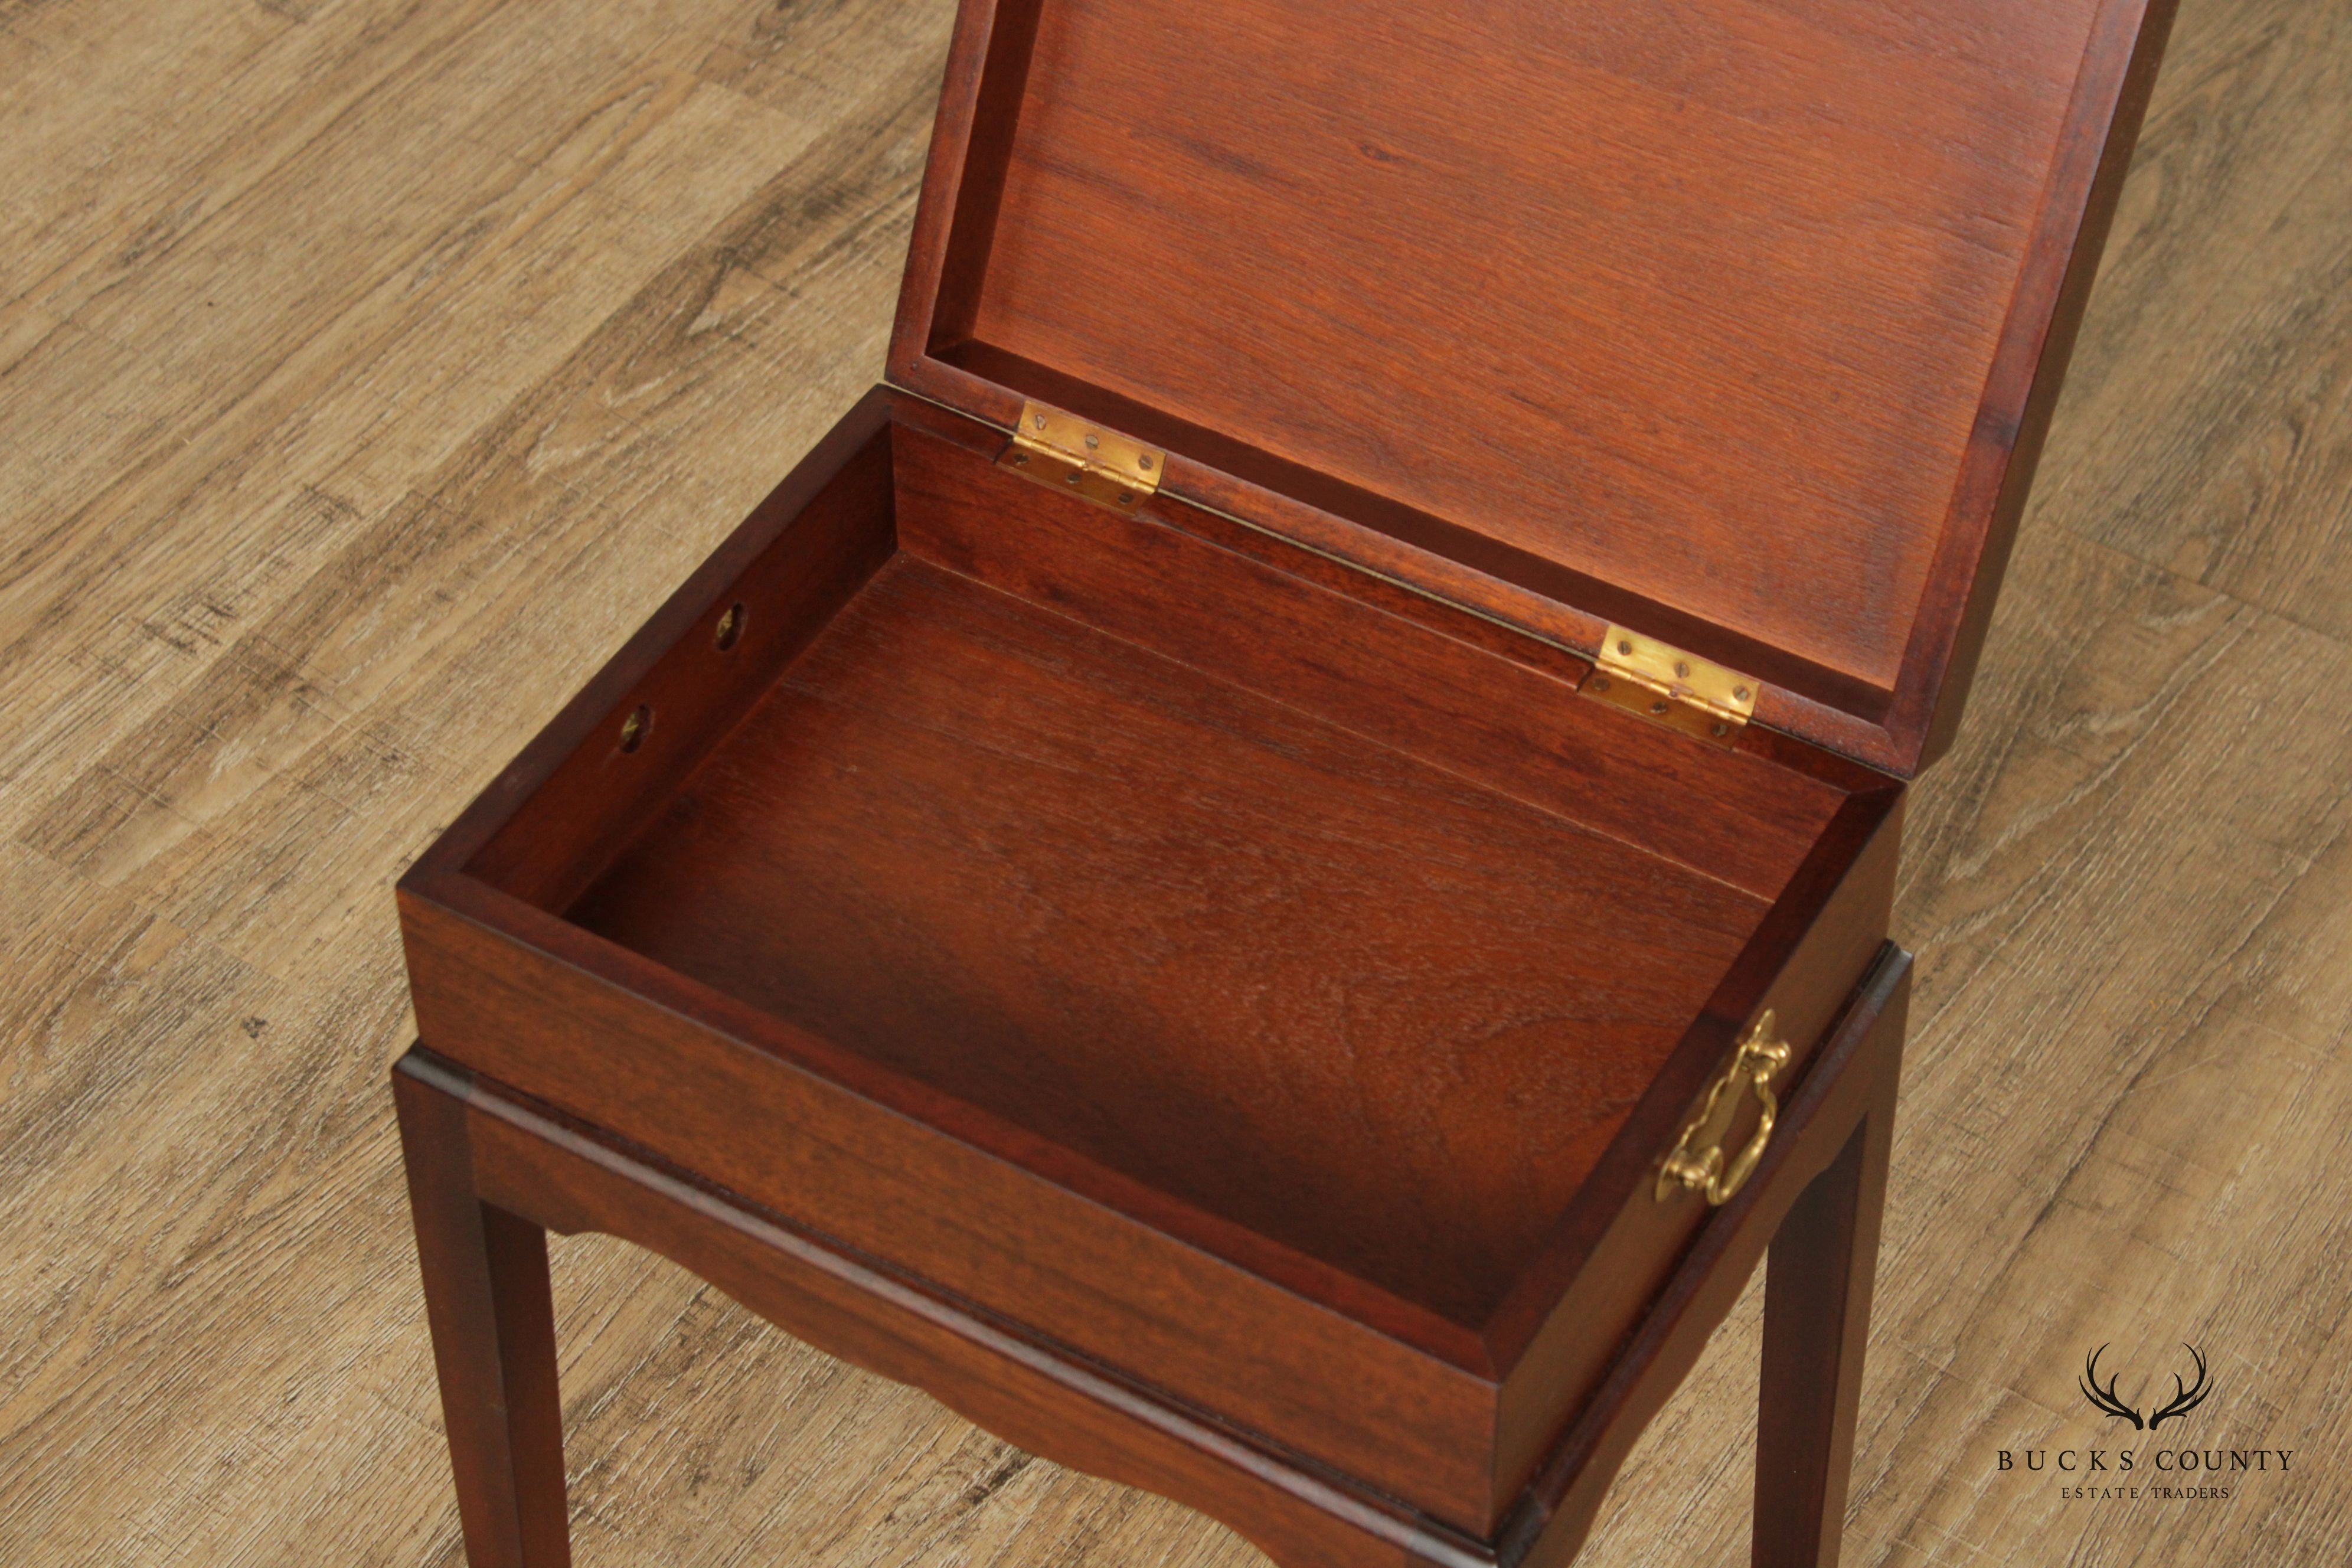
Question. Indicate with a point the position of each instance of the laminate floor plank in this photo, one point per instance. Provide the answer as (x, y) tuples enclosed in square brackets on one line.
[(88, 107), (369, 370), (2211, 403), (456, 349)]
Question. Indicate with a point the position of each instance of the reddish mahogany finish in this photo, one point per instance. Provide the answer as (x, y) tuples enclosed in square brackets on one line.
[(1283, 952), (1736, 324), (1202, 990), (516, 1164)]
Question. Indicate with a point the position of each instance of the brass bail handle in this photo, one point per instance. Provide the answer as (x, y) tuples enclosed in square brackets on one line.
[(1761, 1054)]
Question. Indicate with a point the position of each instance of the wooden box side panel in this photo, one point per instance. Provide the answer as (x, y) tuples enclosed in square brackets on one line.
[(1855, 1075), (534, 1161), (1492, 704), (552, 817), (627, 1056), (571, 1179), (1559, 1362), (671, 719)]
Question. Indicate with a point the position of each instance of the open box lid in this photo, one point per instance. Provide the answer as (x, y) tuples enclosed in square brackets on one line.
[(1734, 323)]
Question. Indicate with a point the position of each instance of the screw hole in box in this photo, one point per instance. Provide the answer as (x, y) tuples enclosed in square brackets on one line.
[(731, 627), (634, 727)]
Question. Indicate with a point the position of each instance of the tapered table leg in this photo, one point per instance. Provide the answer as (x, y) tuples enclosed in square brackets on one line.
[(493, 1322), (1817, 1286)]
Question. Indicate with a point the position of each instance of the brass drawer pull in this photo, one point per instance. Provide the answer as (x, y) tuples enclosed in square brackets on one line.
[(1761, 1054)]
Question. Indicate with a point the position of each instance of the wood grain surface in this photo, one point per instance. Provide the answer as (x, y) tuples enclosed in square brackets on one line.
[(1676, 260), (1400, 1121), (369, 371), (1740, 325)]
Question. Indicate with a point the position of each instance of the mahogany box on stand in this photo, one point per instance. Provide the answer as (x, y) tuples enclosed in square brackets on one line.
[(1270, 870)]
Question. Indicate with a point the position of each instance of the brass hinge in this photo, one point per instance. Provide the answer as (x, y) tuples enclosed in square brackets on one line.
[(1669, 687), (1065, 452)]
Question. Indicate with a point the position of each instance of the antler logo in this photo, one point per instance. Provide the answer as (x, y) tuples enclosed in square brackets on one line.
[(2185, 1397)]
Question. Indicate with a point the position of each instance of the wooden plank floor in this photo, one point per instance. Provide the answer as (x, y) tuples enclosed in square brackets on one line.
[(369, 368)]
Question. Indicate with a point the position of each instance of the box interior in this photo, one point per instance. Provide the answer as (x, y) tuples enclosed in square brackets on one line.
[(1220, 882)]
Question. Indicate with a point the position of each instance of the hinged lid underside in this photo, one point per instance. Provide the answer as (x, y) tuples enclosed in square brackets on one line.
[(1721, 319)]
